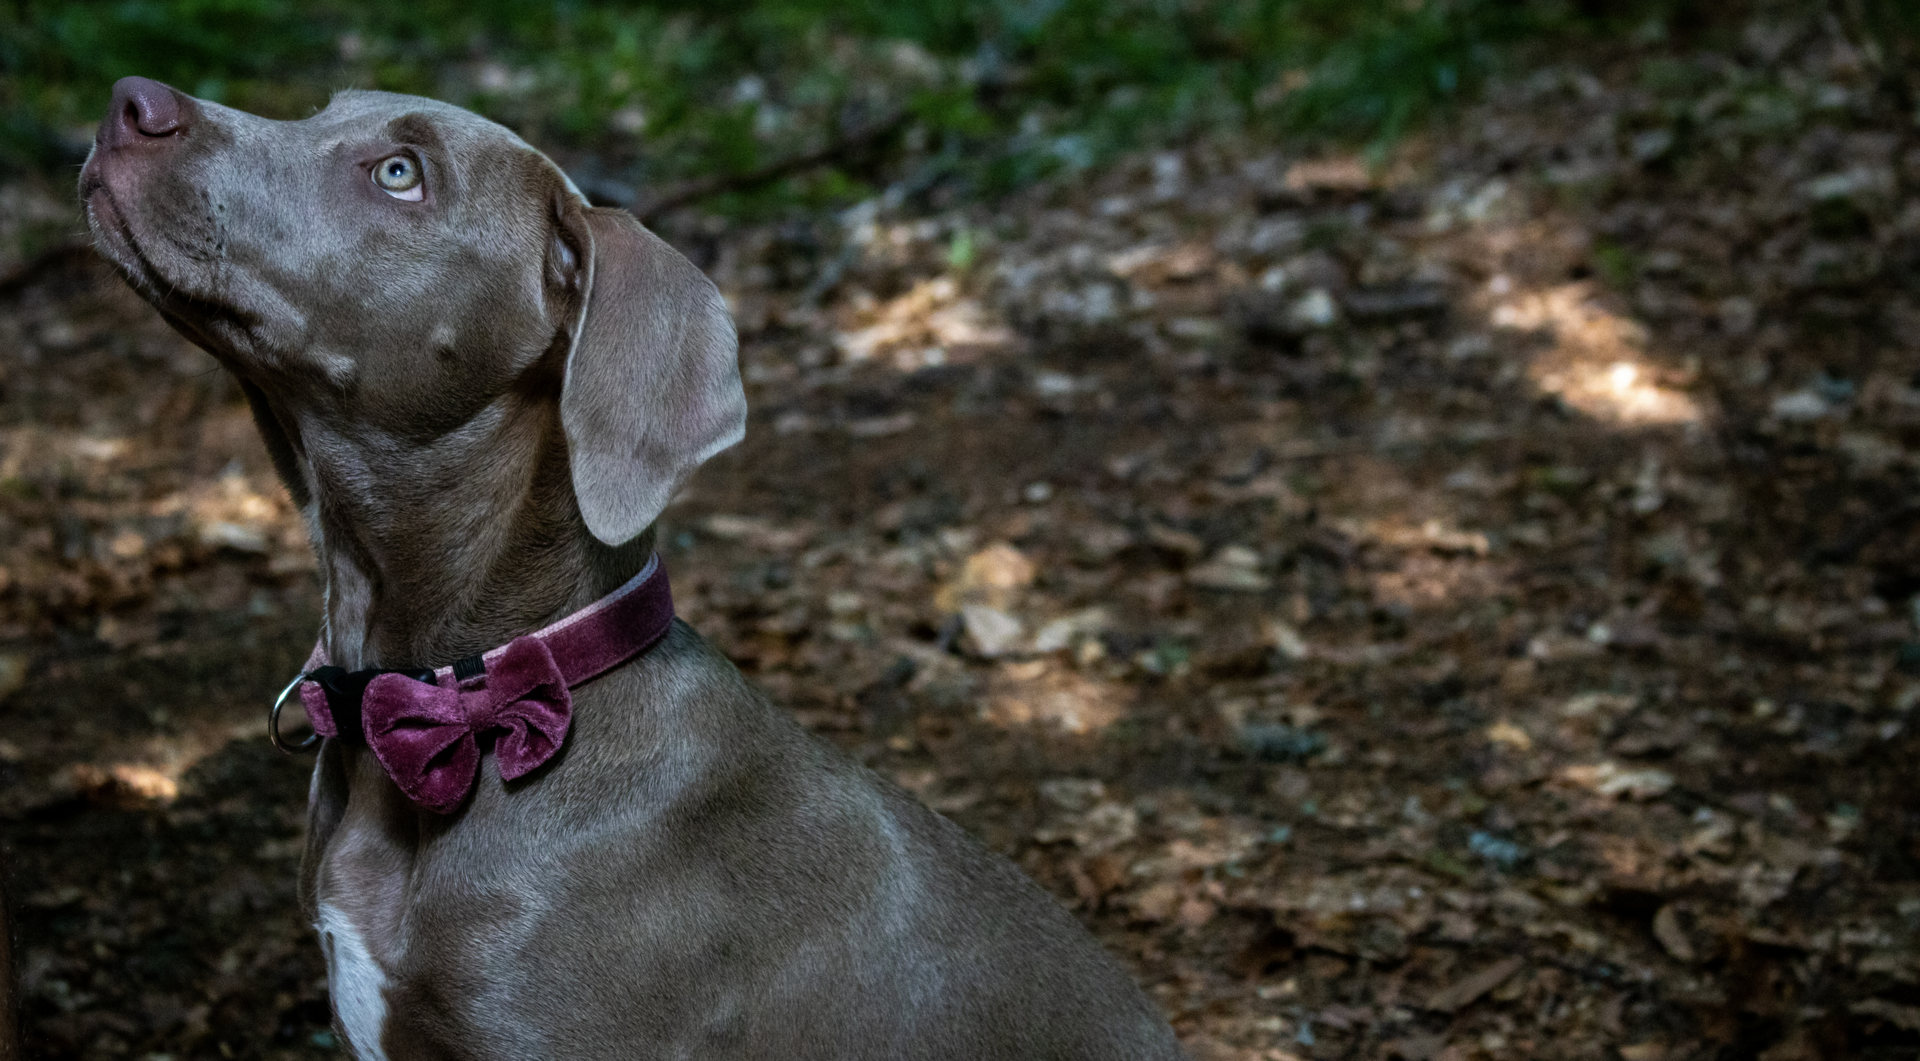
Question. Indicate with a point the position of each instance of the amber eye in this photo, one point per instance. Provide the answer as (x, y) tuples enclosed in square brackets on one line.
[(399, 176)]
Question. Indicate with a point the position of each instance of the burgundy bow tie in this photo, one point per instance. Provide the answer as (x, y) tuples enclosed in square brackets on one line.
[(426, 726)]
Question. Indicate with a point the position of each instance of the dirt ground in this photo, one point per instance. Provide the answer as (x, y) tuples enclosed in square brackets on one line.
[(1460, 610)]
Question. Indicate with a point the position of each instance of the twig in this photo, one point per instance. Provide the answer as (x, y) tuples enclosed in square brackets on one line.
[(706, 187)]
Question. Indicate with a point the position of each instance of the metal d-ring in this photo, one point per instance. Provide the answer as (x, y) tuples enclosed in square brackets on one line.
[(273, 721)]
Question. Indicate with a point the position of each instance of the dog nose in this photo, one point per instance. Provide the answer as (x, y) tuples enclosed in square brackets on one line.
[(143, 110)]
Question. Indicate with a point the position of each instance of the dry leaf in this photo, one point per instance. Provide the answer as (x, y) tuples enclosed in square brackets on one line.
[(1463, 993)]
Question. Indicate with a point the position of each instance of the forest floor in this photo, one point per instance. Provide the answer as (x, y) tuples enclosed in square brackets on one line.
[(1463, 609)]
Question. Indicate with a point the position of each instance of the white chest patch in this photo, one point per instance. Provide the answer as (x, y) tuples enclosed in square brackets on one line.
[(357, 983)]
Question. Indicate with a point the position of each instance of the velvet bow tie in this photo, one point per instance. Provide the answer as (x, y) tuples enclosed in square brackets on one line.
[(428, 727)]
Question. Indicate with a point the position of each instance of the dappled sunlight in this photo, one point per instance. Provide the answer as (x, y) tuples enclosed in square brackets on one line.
[(1313, 571), (129, 770), (1597, 361), (127, 783), (1042, 693), (931, 324), (1425, 581), (29, 448), (1436, 564), (1434, 534), (251, 514)]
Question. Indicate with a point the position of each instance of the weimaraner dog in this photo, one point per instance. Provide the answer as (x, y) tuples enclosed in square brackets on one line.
[(598, 841)]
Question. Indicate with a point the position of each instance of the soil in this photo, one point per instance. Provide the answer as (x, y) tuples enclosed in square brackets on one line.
[(1460, 608)]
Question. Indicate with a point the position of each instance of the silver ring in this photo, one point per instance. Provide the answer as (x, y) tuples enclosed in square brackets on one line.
[(273, 721)]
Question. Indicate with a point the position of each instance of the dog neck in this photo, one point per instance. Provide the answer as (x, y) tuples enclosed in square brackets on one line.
[(430, 551)]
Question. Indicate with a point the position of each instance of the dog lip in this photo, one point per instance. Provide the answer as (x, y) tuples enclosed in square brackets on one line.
[(114, 237)]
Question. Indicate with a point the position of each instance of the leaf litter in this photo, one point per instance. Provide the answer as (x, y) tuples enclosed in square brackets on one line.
[(1462, 608)]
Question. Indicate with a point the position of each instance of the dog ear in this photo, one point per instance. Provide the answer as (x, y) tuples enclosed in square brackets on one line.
[(653, 377)]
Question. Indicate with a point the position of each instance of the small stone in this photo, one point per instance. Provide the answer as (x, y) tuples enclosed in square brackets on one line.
[(221, 534), (1062, 632), (1801, 406), (1608, 779), (994, 632), (1234, 570), (1651, 145), (1175, 541), (1073, 794), (1504, 853), (1510, 735), (1284, 638), (1671, 934), (1315, 309)]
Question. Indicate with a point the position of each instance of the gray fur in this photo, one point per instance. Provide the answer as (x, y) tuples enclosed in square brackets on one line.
[(694, 876)]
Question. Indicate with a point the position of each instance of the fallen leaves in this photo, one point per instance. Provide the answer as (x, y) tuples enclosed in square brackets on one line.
[(1042, 693), (13, 673), (992, 576), (1467, 990), (1509, 735), (1086, 817), (1396, 579), (1906, 1018), (1234, 569), (757, 532), (1611, 779), (1667, 928), (123, 785), (930, 325)]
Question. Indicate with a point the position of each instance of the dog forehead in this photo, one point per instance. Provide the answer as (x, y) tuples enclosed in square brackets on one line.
[(363, 113), (370, 112)]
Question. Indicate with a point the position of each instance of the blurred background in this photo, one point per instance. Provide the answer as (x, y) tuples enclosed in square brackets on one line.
[(1401, 514)]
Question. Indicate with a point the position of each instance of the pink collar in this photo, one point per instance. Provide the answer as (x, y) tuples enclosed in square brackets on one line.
[(427, 726)]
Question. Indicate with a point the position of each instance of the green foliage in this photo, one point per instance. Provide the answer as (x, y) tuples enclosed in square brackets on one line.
[(1891, 29), (1615, 264), (999, 93)]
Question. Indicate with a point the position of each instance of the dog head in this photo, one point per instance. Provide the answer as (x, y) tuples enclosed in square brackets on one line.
[(394, 266)]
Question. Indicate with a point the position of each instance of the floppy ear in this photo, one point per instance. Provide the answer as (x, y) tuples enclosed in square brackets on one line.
[(653, 380)]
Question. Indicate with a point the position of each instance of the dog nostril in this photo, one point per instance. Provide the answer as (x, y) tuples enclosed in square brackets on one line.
[(145, 108), (154, 116)]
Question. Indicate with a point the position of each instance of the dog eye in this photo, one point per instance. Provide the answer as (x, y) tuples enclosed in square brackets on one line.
[(399, 176)]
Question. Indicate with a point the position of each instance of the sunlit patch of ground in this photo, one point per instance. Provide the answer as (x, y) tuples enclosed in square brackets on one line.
[(1596, 362), (928, 326), (1040, 693)]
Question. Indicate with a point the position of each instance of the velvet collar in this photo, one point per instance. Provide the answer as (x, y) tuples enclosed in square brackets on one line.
[(427, 725)]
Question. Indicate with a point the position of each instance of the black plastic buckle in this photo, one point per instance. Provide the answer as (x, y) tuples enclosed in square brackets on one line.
[(345, 689)]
